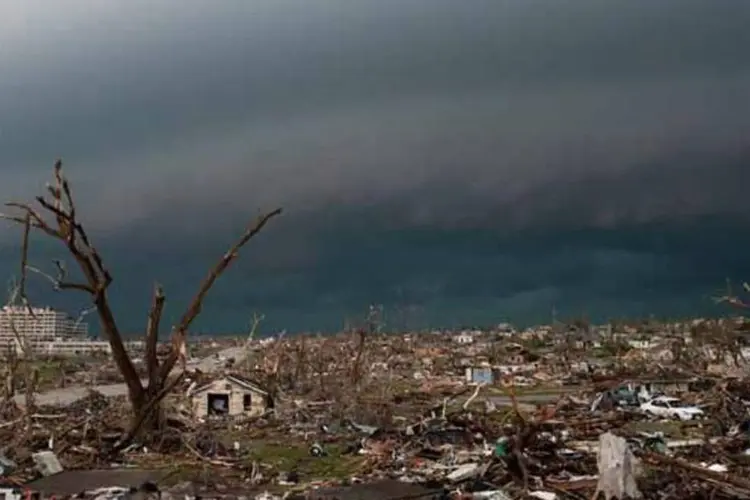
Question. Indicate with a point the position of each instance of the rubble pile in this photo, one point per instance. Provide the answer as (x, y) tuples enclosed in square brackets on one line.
[(557, 449), (402, 419)]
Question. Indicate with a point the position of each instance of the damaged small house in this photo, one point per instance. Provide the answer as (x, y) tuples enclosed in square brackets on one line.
[(230, 396)]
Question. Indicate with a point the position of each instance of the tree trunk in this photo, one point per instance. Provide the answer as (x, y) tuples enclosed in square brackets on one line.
[(147, 419)]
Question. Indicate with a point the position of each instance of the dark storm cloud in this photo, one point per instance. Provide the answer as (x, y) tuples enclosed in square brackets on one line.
[(483, 122), (230, 105)]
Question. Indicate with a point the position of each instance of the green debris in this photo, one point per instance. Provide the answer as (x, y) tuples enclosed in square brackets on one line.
[(501, 448)]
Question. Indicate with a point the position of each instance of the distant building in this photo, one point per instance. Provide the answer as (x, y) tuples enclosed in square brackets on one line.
[(480, 375), (39, 324), (505, 330), (641, 343), (463, 338), (46, 331)]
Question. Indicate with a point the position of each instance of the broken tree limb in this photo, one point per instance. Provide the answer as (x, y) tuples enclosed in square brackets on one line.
[(72, 234), (24, 260), (253, 328), (152, 334), (192, 311), (473, 396), (17, 294), (722, 479)]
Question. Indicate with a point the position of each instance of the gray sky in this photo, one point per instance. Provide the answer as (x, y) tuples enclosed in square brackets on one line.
[(238, 104), (363, 117)]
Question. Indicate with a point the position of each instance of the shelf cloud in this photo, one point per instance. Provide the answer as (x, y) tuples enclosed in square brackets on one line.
[(489, 115)]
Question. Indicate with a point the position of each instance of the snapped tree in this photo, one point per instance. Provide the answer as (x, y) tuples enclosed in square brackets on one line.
[(56, 216)]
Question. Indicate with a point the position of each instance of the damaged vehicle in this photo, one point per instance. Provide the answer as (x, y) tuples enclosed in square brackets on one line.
[(668, 407)]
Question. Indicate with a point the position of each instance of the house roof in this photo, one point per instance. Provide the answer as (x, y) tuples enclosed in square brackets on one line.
[(235, 379)]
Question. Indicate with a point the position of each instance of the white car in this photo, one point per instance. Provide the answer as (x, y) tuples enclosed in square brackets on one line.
[(666, 407)]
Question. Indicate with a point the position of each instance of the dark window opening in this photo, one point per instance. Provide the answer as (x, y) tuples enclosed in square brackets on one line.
[(218, 404), (247, 401)]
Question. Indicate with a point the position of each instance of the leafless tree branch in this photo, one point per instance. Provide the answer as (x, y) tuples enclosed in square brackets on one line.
[(180, 332)]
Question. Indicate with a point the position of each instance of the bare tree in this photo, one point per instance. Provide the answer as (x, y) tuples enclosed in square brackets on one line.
[(257, 318), (732, 299), (57, 217), (730, 337), (18, 301), (373, 326)]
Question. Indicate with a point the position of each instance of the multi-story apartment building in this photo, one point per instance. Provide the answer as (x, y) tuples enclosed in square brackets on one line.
[(39, 324), (46, 331)]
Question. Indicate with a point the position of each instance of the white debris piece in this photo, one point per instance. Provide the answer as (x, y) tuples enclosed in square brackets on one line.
[(463, 472), (543, 495), (267, 496), (10, 494), (490, 495), (47, 463), (618, 468), (110, 493), (715, 467)]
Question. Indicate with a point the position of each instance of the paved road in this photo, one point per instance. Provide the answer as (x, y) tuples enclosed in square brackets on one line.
[(525, 398), (69, 395)]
